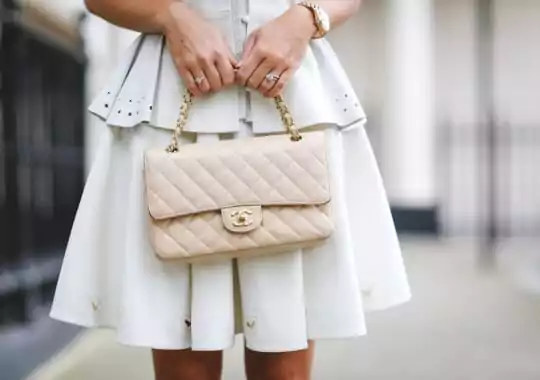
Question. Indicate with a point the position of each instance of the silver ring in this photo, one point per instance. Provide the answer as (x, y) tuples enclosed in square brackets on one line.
[(272, 77), (199, 80)]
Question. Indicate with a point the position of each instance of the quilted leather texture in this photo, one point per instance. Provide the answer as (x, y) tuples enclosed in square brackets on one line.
[(204, 234), (188, 190), (270, 170)]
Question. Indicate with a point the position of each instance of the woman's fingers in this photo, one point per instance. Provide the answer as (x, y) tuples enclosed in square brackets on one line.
[(204, 72), (271, 80), (226, 68), (248, 67), (280, 84), (245, 71), (266, 66), (189, 80), (201, 53), (200, 78), (258, 79), (249, 45), (212, 76)]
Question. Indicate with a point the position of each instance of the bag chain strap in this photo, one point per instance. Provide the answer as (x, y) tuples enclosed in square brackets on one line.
[(187, 102)]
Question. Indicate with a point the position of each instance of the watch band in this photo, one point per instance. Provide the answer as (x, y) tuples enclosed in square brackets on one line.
[(316, 11)]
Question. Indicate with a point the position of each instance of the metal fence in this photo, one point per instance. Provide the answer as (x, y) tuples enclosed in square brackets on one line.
[(41, 160), (489, 182)]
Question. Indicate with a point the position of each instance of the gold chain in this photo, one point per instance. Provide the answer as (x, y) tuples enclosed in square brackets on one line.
[(187, 102), (287, 118), (181, 122)]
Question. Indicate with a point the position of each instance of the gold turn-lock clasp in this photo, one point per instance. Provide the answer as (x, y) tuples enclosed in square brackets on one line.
[(241, 219)]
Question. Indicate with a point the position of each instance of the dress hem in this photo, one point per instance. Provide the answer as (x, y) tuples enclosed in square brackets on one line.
[(266, 349)]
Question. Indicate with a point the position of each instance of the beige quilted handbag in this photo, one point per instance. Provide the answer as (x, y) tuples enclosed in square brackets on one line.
[(236, 198)]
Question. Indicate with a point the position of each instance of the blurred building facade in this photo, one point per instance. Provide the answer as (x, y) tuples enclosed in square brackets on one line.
[(42, 112), (43, 65), (452, 88)]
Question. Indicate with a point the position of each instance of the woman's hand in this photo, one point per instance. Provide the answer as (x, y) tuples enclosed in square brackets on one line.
[(200, 52), (276, 49)]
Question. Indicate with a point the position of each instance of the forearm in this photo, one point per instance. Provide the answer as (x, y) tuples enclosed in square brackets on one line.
[(147, 16)]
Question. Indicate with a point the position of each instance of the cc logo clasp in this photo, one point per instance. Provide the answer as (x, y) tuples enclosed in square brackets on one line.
[(242, 218)]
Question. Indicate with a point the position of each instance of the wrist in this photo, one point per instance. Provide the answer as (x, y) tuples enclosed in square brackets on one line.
[(321, 19), (167, 15), (304, 19)]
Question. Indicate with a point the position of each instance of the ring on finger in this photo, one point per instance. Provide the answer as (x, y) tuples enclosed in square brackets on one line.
[(272, 77), (200, 79)]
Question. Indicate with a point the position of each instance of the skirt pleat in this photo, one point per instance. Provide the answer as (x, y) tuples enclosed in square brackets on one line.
[(112, 278)]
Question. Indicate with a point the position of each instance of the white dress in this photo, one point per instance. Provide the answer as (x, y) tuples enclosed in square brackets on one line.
[(112, 278)]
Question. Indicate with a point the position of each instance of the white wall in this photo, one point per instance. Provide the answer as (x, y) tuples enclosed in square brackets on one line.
[(517, 61), (455, 49)]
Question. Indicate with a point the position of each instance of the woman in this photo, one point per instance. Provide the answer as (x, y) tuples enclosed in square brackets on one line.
[(232, 55)]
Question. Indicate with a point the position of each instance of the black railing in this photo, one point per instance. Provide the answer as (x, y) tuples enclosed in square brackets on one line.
[(489, 180), (41, 162)]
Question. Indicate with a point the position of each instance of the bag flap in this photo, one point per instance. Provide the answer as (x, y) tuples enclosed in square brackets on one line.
[(266, 171)]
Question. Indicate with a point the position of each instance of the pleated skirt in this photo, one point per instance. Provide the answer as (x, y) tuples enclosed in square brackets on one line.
[(112, 278)]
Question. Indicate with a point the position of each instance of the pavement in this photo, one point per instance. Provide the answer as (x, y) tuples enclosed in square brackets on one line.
[(37, 341), (464, 323)]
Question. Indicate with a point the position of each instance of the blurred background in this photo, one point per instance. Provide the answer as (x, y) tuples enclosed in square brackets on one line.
[(452, 89)]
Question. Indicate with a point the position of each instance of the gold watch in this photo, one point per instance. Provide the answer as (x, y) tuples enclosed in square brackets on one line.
[(321, 18)]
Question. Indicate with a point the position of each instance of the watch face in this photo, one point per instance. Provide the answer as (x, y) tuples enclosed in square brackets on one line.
[(324, 21)]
